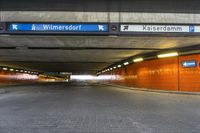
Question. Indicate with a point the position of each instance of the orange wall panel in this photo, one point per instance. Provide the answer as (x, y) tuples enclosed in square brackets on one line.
[(189, 78), (160, 74), (7, 77), (154, 74)]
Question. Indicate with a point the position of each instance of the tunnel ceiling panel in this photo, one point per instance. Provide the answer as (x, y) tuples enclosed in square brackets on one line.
[(97, 41), (81, 53)]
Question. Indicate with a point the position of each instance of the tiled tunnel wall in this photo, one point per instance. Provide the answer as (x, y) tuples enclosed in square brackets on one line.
[(160, 74), (189, 78), (7, 77), (12, 77)]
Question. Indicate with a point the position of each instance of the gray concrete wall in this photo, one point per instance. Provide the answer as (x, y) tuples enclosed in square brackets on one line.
[(136, 11)]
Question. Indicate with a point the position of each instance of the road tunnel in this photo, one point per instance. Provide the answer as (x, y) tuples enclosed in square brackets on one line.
[(94, 66)]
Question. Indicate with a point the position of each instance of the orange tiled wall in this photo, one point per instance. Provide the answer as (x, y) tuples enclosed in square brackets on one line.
[(12, 77), (189, 78), (160, 74)]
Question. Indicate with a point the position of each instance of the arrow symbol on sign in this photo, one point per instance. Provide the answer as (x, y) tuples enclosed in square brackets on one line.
[(189, 64), (14, 27), (125, 27), (185, 64), (101, 27)]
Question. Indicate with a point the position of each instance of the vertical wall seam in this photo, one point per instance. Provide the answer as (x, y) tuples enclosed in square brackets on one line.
[(178, 84), (1, 11), (108, 10), (119, 10)]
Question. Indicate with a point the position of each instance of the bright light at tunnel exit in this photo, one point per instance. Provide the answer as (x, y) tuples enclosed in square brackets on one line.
[(90, 77)]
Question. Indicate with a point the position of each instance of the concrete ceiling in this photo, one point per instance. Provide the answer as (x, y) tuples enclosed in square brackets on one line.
[(164, 6), (130, 11), (80, 54)]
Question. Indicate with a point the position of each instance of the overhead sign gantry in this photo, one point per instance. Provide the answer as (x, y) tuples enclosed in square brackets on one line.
[(98, 28), (62, 28), (159, 28)]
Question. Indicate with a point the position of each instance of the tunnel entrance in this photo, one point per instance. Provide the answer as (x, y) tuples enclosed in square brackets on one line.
[(50, 48), (96, 37), (94, 66)]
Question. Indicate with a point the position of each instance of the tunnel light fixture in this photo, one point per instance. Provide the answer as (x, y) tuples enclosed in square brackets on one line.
[(138, 60), (119, 66), (11, 69), (36, 73), (17, 70), (5, 69), (172, 54), (126, 63), (111, 69), (114, 67), (25, 71), (21, 71)]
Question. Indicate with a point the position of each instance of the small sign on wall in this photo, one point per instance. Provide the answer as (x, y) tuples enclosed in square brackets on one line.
[(189, 64)]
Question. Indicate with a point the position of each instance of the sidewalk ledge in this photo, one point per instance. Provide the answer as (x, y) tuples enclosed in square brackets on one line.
[(151, 90)]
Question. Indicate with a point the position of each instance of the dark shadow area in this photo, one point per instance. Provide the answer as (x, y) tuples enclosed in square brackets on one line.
[(155, 6), (75, 67)]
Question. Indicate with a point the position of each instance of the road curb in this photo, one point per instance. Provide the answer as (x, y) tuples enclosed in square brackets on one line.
[(150, 90)]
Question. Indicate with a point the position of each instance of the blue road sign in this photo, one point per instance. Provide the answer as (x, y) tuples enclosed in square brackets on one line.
[(191, 28), (57, 27), (192, 63)]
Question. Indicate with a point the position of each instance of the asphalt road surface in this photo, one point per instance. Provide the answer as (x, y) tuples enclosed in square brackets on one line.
[(93, 108)]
